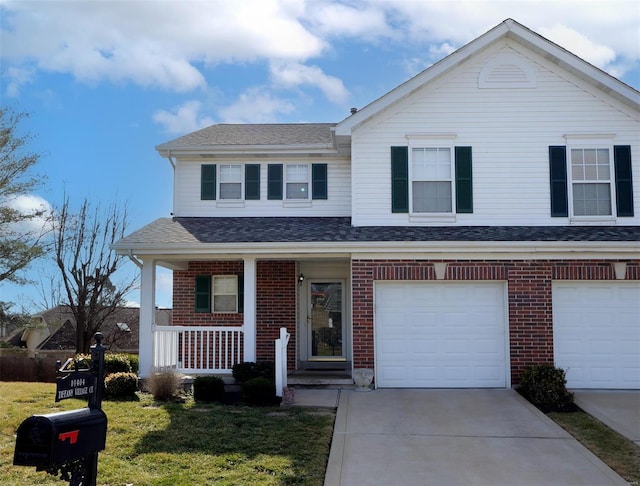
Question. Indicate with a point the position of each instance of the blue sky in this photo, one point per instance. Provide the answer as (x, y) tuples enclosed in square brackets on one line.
[(107, 81)]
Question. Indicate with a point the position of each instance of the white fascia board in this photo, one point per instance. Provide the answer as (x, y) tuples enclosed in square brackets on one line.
[(243, 150), (574, 65), (407, 88), (626, 250), (512, 30)]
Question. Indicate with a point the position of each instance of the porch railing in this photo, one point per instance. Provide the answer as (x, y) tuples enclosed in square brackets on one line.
[(197, 349)]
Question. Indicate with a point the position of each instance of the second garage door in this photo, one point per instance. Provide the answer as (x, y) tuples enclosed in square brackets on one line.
[(440, 335), (596, 332)]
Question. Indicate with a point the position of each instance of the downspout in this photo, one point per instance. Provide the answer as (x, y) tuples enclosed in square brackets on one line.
[(134, 259)]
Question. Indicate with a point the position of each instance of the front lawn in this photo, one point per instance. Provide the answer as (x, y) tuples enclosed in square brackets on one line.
[(181, 443)]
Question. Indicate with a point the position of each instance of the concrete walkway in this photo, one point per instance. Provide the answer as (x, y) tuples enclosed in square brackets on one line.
[(619, 409), (454, 437)]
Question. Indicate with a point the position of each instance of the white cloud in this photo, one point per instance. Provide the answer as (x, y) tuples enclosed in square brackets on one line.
[(183, 119), (151, 43), (164, 288), (30, 205), (291, 75), (364, 21), (597, 54), (256, 105)]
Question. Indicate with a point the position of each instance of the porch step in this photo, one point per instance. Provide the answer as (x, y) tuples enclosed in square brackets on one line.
[(324, 377)]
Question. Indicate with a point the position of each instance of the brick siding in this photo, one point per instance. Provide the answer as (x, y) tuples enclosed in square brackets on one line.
[(529, 298)]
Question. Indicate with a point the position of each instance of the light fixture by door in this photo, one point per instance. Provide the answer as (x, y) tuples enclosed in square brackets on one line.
[(300, 278)]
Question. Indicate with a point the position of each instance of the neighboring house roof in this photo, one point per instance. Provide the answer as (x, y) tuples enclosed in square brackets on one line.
[(509, 29), (182, 232), (318, 135), (61, 324)]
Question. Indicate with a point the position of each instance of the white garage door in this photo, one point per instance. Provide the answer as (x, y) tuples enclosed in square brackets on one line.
[(596, 331), (440, 335)]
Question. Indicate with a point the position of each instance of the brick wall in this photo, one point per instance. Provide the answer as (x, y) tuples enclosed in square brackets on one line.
[(276, 302), (276, 307), (529, 298)]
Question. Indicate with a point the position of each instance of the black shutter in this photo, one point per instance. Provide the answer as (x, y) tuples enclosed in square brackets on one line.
[(274, 181), (464, 183), (399, 179), (240, 293), (252, 182), (208, 182), (624, 184), (319, 181), (203, 293), (558, 179)]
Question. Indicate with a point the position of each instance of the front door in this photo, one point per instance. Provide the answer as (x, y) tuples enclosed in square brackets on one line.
[(326, 320)]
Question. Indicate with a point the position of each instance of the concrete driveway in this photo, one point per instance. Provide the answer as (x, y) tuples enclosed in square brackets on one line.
[(619, 409), (454, 437)]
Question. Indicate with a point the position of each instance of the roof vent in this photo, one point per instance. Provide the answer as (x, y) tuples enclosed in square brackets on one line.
[(354, 111)]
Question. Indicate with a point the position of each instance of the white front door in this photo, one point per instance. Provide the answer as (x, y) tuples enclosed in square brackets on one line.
[(325, 319)]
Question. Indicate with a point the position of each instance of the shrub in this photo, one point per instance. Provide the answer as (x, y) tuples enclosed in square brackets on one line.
[(243, 372), (116, 363), (164, 384), (134, 361), (259, 391), (118, 385), (545, 386), (208, 389)]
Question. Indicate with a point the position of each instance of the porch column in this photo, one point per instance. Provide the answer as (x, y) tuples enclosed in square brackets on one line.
[(250, 299), (147, 316)]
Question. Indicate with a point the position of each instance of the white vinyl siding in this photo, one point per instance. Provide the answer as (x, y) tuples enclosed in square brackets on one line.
[(510, 131), (187, 200)]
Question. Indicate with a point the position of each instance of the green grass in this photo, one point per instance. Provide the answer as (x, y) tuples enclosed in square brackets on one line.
[(181, 443), (618, 452)]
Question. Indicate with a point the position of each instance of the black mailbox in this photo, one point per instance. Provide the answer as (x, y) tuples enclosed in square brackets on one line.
[(47, 441)]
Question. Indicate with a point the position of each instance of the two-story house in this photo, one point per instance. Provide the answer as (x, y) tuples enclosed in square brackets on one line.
[(481, 217)]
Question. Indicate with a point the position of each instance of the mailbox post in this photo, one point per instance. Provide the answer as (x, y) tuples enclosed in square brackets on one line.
[(67, 443)]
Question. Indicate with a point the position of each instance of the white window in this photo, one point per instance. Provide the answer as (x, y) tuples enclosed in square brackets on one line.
[(297, 181), (431, 180), (591, 184), (225, 293), (230, 182)]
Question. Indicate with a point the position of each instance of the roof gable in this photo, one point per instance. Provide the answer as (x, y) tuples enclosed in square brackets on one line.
[(509, 29)]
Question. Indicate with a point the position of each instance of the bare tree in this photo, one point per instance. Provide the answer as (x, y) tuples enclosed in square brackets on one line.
[(20, 243), (87, 264)]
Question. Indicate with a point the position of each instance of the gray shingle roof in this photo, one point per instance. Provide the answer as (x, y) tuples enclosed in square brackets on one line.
[(339, 230), (255, 134)]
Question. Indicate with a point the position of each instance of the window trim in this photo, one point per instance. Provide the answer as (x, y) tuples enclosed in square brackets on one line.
[(589, 143), (241, 181), (432, 143), (213, 294), (285, 182)]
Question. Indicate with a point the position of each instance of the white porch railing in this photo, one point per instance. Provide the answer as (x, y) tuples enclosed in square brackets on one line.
[(281, 361), (197, 349)]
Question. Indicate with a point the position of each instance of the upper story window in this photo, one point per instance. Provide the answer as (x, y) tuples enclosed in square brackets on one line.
[(591, 185), (431, 180), (590, 181), (230, 182), (297, 181)]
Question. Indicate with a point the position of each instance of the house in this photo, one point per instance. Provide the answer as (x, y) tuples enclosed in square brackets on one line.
[(479, 218), (55, 330)]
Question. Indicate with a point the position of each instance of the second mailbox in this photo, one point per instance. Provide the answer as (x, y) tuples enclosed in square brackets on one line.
[(47, 441)]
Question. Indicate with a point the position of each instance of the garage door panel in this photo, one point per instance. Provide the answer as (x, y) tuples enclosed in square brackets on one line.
[(597, 333), (454, 334)]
